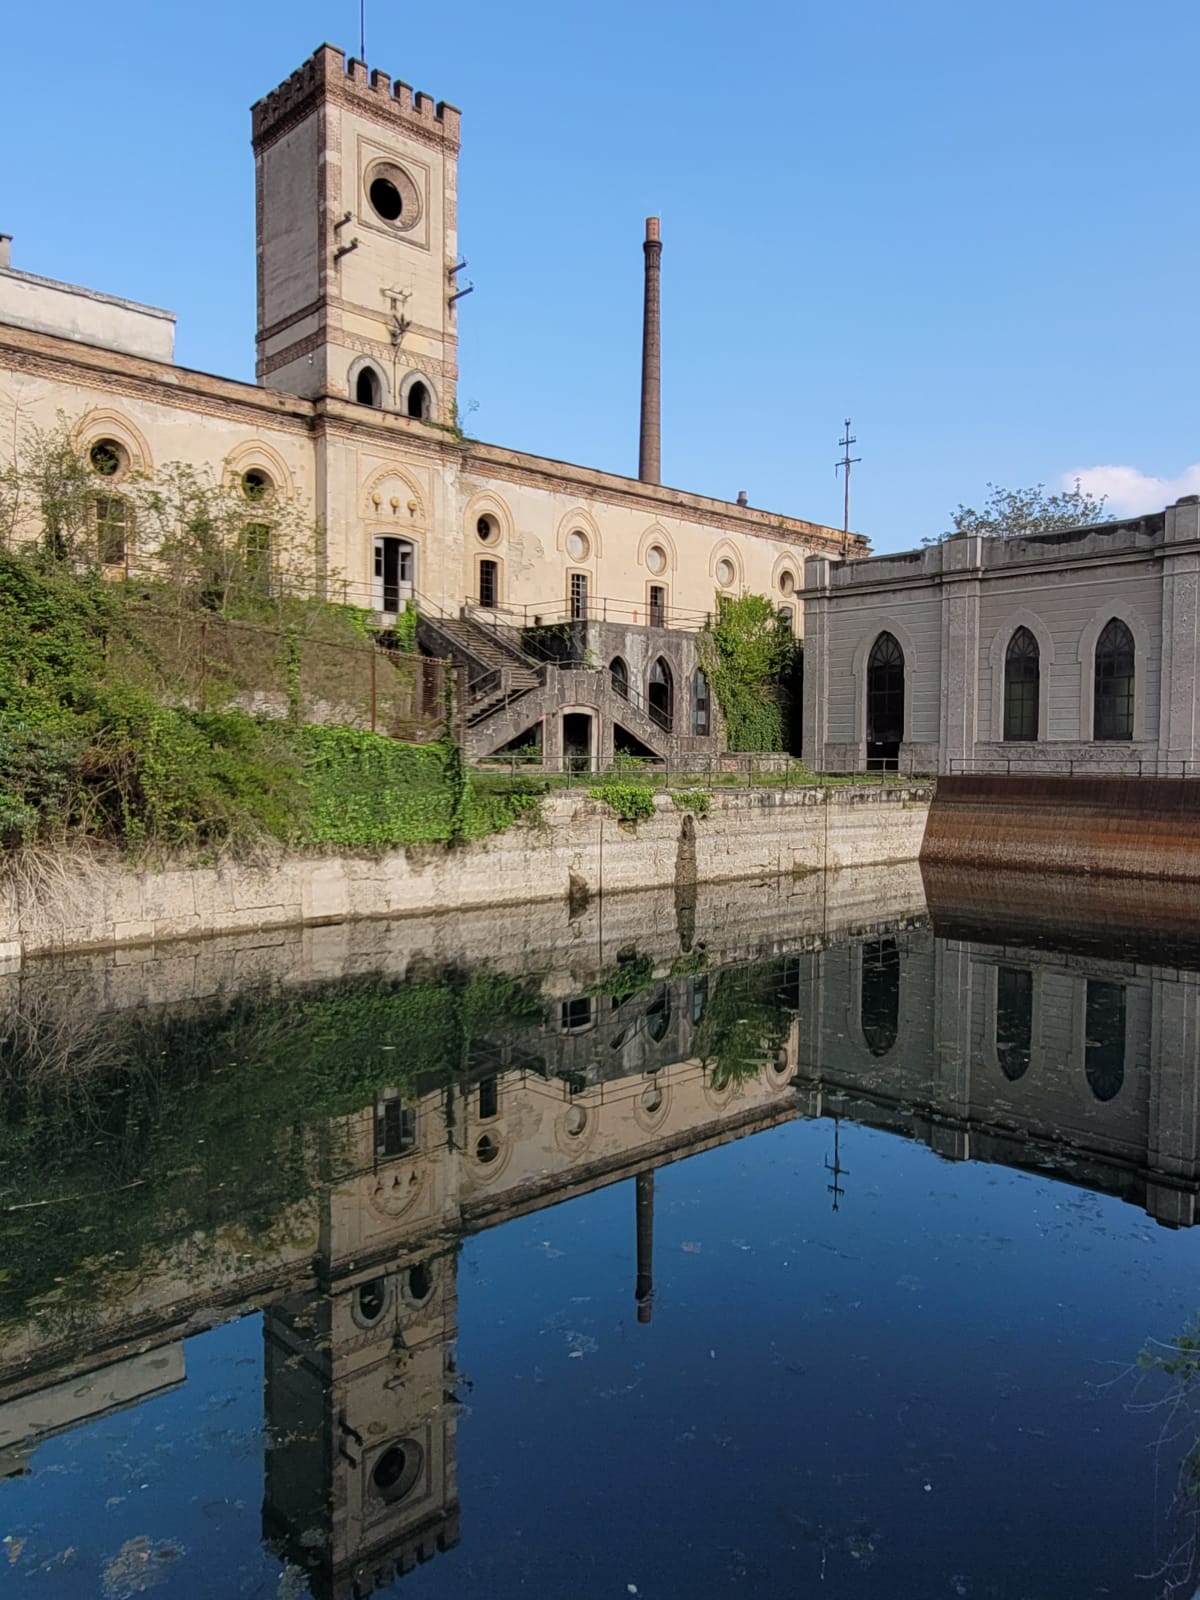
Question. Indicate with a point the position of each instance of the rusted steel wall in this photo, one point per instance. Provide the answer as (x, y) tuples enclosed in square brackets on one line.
[(1120, 827)]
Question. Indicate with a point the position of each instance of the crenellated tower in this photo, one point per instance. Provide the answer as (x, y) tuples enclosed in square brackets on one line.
[(356, 184)]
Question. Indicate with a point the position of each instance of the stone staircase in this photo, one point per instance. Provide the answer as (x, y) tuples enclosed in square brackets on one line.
[(496, 672)]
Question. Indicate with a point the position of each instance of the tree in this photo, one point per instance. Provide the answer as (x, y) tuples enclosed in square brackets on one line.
[(1016, 513)]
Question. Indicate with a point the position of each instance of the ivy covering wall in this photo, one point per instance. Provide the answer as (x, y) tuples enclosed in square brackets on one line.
[(754, 666)]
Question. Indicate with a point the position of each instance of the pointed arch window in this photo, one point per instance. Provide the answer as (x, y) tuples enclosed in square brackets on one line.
[(417, 402), (879, 999), (1022, 683), (1104, 1038), (619, 674), (368, 391), (1113, 694), (885, 703), (661, 695), (701, 718), (1014, 1021)]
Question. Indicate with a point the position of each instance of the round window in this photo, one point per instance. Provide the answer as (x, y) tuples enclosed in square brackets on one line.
[(656, 558), (575, 1121), (652, 1098), (397, 1470), (787, 582), (578, 546), (256, 485), (370, 1301), (108, 458), (725, 573), (419, 1283), (486, 1149), (486, 529), (385, 197)]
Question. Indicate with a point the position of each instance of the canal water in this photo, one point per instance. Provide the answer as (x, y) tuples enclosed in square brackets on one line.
[(823, 1254)]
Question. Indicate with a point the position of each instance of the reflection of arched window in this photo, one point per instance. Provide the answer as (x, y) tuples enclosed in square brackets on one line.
[(700, 715), (879, 1003), (576, 1014), (417, 402), (658, 1017), (661, 695), (698, 996), (1104, 1038), (619, 673), (1014, 1021), (1022, 670), (885, 702), (1113, 707)]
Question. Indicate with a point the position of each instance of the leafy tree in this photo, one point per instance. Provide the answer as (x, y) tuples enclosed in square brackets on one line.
[(1017, 513)]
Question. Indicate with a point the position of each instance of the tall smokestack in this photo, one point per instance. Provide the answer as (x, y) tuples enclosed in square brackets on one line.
[(644, 1292), (650, 444)]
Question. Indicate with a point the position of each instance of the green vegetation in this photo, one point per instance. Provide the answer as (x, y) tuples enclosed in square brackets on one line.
[(633, 972), (746, 1020), (632, 802), (698, 801), (1014, 513), (753, 664)]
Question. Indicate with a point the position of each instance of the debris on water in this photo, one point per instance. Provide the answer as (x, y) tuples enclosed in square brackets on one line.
[(14, 1548), (139, 1565), (692, 1247)]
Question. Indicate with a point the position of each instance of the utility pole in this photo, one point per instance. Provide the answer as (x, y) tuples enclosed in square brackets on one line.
[(836, 1167), (847, 461), (362, 31)]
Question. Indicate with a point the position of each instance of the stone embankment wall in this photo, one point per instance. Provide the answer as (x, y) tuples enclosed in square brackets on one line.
[(578, 850), (1119, 827)]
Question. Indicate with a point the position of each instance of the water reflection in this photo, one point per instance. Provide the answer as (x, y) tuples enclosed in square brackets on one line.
[(319, 1151)]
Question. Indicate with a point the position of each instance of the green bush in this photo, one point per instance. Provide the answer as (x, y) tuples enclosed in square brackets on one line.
[(752, 662), (632, 802)]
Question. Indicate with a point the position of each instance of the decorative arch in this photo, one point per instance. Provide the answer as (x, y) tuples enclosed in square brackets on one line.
[(723, 550), (862, 654), (404, 394), (487, 504), (362, 364), (586, 524), (1122, 611), (657, 534), (99, 424), (997, 652), (392, 483), (254, 453), (788, 562)]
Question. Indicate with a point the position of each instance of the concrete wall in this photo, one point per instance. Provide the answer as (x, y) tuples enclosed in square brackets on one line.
[(97, 319), (578, 849)]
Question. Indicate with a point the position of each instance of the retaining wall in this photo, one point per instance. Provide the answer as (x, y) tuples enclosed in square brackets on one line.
[(579, 849)]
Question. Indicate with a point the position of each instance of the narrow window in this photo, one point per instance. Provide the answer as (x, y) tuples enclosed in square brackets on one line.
[(658, 1016), (1022, 673), (489, 1097), (579, 597), (368, 390), (786, 618), (698, 996), (576, 1014), (885, 704), (619, 674), (1104, 1038), (879, 1002), (658, 606), (417, 404), (661, 696), (1113, 706), (700, 718), (256, 545), (393, 587), (489, 584), (112, 529), (1014, 1021), (395, 1127)]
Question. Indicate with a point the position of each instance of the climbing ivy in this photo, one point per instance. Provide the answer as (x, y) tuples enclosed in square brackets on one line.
[(752, 662)]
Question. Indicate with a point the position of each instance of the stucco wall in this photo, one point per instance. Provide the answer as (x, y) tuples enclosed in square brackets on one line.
[(579, 849)]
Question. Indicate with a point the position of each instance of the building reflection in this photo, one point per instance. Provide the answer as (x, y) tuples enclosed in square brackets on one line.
[(987, 1041)]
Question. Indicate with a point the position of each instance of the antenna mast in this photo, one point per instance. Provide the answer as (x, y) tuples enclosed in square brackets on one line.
[(847, 461), (362, 31)]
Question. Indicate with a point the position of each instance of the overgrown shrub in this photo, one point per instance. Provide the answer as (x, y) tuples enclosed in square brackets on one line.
[(632, 802), (752, 662)]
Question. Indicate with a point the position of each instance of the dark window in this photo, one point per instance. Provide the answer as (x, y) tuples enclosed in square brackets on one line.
[(661, 695), (1014, 1021), (700, 718), (368, 390), (489, 584), (385, 197), (393, 573), (619, 673), (417, 402), (698, 991), (489, 1097), (257, 486), (658, 606), (576, 1014), (579, 597), (112, 529), (885, 703), (658, 1016), (1104, 1038), (395, 1127), (785, 618), (1114, 683), (107, 457), (1022, 671), (879, 1004), (256, 545)]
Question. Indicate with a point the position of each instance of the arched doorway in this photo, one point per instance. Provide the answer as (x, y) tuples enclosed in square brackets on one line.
[(661, 694), (885, 704)]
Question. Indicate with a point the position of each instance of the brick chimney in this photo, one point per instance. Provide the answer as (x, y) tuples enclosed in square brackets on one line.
[(650, 444)]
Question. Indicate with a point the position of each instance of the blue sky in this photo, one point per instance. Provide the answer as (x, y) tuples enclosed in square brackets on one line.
[(970, 226)]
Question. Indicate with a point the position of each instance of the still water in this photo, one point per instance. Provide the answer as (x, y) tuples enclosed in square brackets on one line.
[(797, 1248)]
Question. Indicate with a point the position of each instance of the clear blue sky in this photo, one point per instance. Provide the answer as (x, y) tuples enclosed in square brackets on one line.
[(971, 226)]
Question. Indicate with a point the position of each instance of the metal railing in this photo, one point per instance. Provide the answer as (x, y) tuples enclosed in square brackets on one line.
[(1101, 764), (598, 608)]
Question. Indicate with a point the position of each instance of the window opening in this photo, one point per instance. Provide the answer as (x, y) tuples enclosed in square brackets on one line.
[(885, 704), (658, 1016), (576, 1014), (1104, 1038), (1014, 1021), (395, 1127), (489, 584), (112, 529), (107, 458), (417, 402), (1022, 671), (879, 1003), (577, 741), (394, 562), (619, 674), (658, 606), (489, 1097), (661, 694), (579, 597), (1113, 709), (368, 390), (385, 197), (700, 711), (256, 545)]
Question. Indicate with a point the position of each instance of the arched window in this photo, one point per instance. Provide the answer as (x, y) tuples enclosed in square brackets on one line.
[(879, 1000), (700, 705), (662, 694), (114, 524), (1113, 701), (368, 390), (619, 673), (885, 703), (658, 1016), (489, 584), (1022, 671), (1014, 1021), (417, 402), (1104, 1038)]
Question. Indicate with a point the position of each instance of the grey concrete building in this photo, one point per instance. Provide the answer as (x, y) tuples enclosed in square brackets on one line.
[(1069, 652)]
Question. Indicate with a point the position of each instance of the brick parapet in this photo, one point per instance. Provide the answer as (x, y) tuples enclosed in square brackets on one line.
[(327, 75)]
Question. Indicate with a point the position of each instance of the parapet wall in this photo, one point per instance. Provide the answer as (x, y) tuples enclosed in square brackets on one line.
[(327, 73), (1116, 827), (578, 850)]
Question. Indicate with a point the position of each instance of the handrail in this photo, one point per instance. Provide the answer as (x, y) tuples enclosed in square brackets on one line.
[(486, 680), (597, 608), (1101, 763)]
